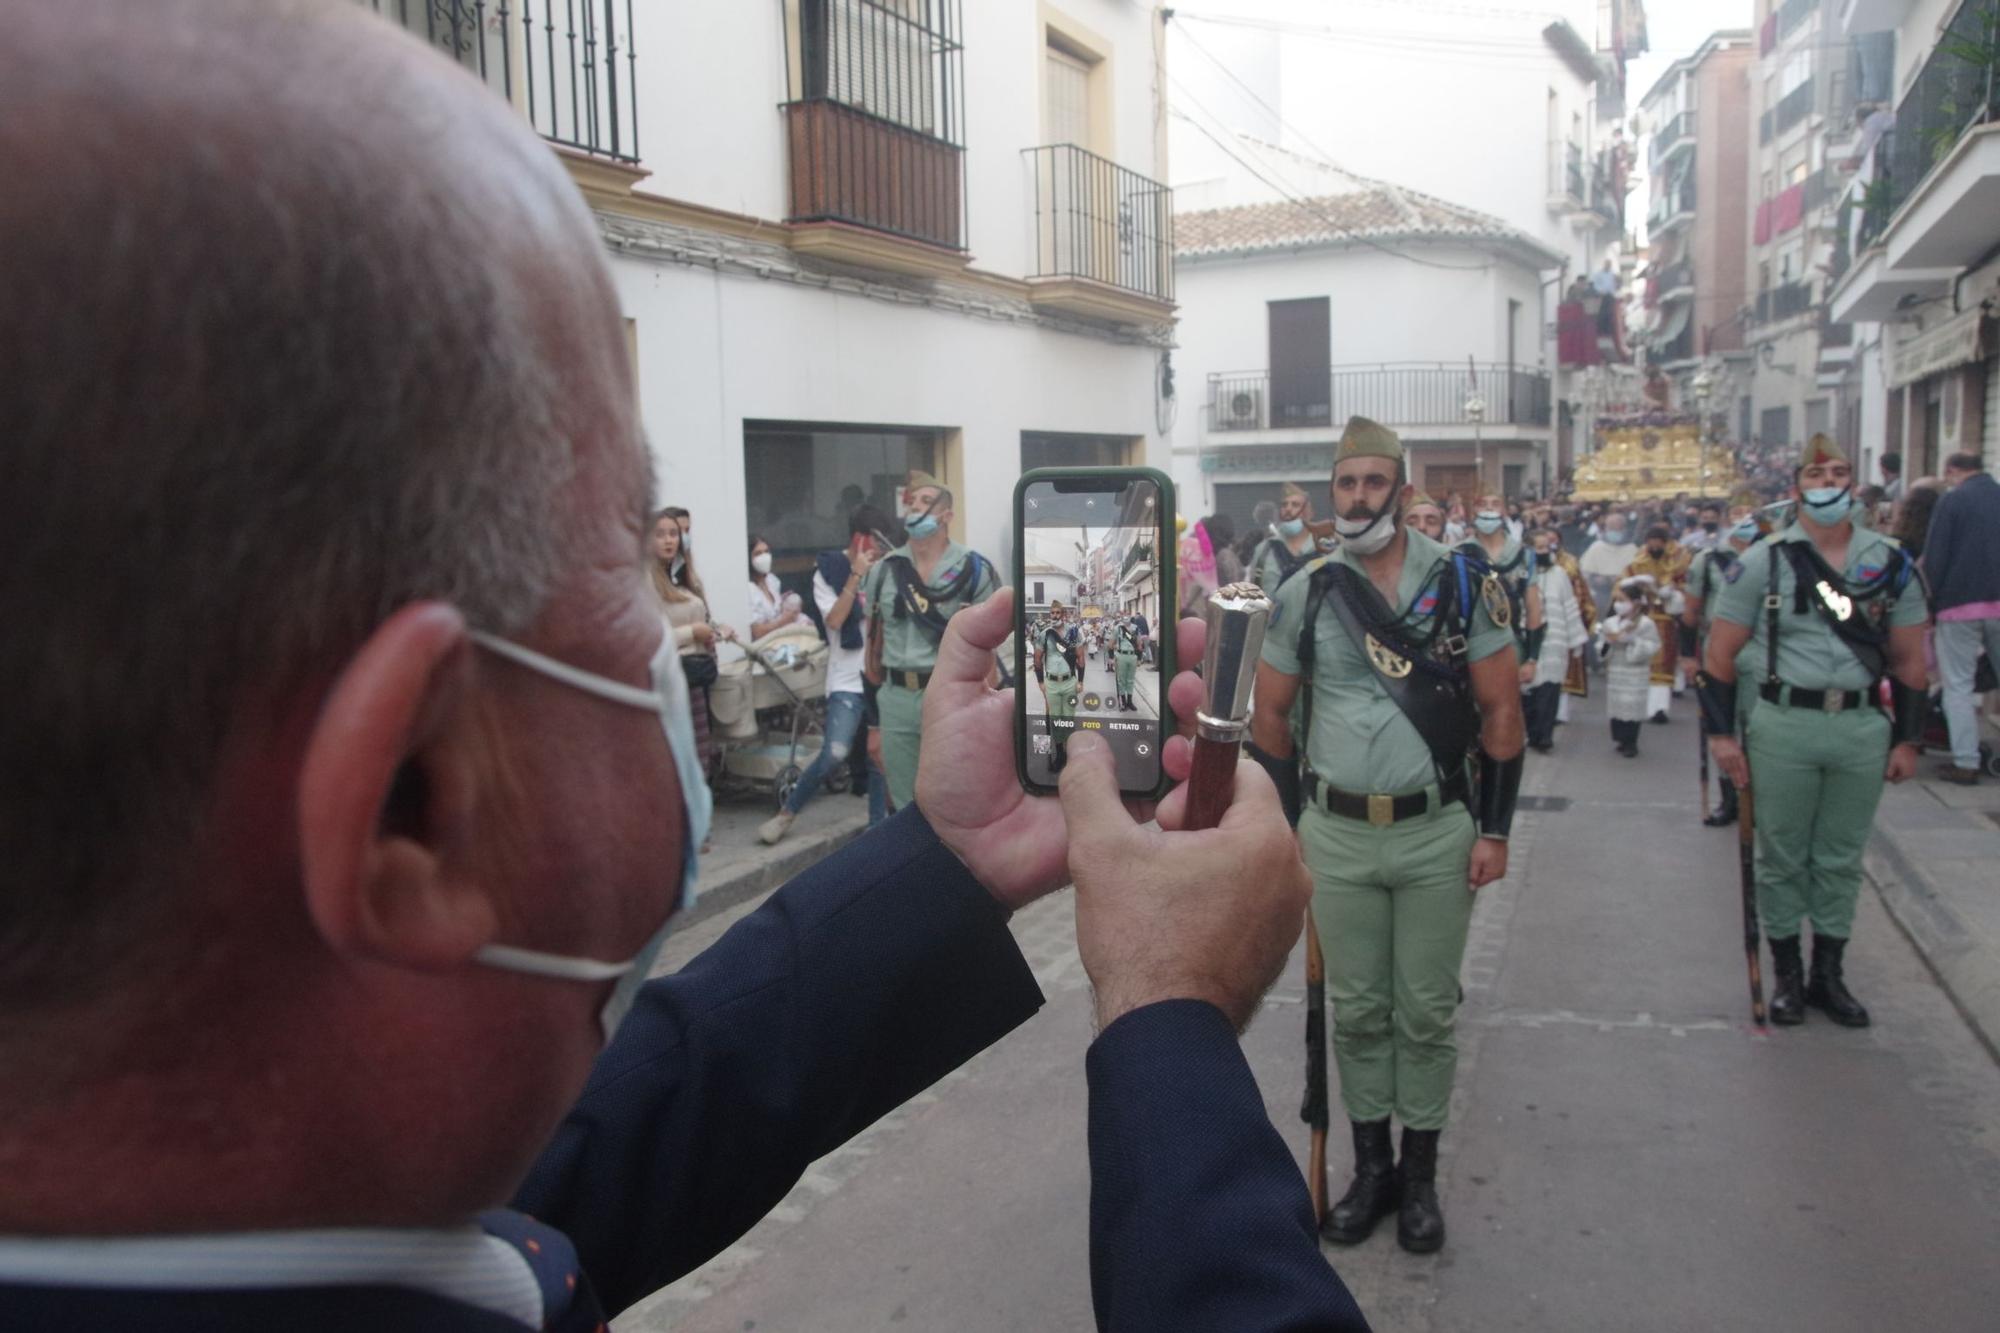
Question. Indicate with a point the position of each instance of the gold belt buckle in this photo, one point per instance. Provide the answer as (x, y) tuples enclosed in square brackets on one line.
[(1834, 701), (1381, 809)]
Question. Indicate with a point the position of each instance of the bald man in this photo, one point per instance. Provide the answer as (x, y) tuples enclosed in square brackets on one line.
[(349, 782)]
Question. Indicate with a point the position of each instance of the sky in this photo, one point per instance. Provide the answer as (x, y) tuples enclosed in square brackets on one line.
[(1675, 28)]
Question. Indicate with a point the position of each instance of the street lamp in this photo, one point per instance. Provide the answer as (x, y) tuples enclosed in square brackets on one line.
[(1475, 408)]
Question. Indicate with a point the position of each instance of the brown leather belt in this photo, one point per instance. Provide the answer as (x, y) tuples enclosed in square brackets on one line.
[(1378, 808)]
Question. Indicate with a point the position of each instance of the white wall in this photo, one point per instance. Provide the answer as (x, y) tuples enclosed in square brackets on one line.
[(716, 350), (712, 132)]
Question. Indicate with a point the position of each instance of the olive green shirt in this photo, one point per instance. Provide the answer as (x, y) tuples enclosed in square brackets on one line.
[(1706, 585), (905, 645), (1360, 739), (1267, 572), (1810, 655)]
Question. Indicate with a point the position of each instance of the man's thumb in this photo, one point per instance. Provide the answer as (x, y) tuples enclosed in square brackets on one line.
[(1089, 788)]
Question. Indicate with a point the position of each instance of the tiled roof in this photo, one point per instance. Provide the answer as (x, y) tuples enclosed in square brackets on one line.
[(1379, 212)]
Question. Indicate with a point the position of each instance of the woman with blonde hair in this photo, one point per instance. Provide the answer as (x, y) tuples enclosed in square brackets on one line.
[(685, 607)]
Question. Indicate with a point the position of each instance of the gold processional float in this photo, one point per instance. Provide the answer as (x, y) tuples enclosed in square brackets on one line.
[(1655, 457)]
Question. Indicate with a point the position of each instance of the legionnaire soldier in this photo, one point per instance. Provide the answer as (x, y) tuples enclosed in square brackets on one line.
[(1291, 547), (1825, 609), (911, 593), (1514, 565), (1125, 654), (1706, 573), (1405, 652), (1055, 667), (1426, 516)]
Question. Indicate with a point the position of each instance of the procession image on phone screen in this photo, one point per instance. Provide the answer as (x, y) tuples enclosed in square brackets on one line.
[(1089, 623)]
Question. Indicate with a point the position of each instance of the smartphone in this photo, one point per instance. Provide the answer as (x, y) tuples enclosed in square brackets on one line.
[(1094, 616)]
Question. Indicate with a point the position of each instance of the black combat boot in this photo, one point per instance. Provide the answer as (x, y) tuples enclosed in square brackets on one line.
[(1726, 813), (1827, 991), (1788, 993), (1374, 1192), (1420, 1225)]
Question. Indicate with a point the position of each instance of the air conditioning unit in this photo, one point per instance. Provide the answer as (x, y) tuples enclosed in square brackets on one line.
[(1242, 409)]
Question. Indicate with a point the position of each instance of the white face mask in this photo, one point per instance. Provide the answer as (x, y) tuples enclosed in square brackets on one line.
[(668, 701), (761, 563), (1622, 607), (1366, 536)]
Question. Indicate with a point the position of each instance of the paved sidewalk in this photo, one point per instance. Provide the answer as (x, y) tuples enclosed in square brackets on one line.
[(1935, 859), (740, 870)]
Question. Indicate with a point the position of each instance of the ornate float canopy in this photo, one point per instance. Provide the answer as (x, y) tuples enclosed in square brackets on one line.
[(1654, 457)]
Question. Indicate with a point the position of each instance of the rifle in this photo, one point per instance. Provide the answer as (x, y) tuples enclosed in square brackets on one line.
[(1314, 1111), (1701, 740), (1746, 858)]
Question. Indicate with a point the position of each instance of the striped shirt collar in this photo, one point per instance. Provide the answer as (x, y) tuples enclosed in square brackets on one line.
[(463, 1264)]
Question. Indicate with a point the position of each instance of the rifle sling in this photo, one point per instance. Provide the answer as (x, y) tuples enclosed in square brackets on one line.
[(1435, 696), (1817, 584)]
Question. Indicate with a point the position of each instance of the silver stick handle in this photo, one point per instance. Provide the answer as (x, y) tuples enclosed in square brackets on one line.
[(1237, 617)]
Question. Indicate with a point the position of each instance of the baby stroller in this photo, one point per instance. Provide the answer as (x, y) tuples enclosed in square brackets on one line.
[(769, 711)]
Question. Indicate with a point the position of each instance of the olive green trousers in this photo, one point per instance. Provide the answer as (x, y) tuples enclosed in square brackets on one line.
[(1817, 777), (1392, 906)]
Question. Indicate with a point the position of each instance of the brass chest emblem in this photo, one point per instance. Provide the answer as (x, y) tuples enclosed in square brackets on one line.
[(1497, 604), (1386, 660), (1841, 605)]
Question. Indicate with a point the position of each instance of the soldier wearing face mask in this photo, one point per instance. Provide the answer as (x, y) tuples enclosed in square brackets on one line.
[(910, 594), (1290, 546), (1514, 565), (1821, 612)]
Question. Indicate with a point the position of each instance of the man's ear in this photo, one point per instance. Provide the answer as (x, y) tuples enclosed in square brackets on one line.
[(387, 792)]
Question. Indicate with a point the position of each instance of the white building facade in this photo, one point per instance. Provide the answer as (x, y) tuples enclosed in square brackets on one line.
[(1916, 263), (1439, 99), (853, 238), (1376, 301)]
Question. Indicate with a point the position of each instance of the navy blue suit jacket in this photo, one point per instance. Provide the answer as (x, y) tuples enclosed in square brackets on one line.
[(857, 985)]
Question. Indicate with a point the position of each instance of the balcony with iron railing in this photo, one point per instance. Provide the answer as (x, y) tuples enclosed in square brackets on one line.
[(1676, 281), (876, 128), (1956, 93), (1793, 107), (1780, 303), (1397, 394), (1104, 236), (1792, 14), (1674, 136), (567, 65), (1672, 209)]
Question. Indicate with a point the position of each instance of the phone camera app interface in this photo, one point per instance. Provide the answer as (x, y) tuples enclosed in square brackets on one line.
[(1091, 621)]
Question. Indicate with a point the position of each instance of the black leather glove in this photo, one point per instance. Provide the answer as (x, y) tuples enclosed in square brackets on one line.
[(1499, 792), (1718, 704), (1285, 775)]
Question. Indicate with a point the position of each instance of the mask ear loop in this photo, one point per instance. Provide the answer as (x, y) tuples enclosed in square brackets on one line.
[(590, 683)]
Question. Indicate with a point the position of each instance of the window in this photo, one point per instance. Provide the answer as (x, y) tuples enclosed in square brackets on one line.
[(1776, 426), (1791, 262), (1792, 166), (1066, 97), (801, 480), (1765, 188), (1301, 356), (1056, 449), (1797, 69), (1039, 598), (883, 57), (1763, 275)]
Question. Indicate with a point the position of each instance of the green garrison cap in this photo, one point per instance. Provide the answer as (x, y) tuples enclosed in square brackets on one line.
[(1820, 449), (919, 480), (1365, 439), (1419, 500)]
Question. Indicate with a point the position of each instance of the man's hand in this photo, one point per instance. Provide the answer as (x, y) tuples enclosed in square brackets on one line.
[(1902, 763), (1166, 915), (1727, 752), (859, 566), (1488, 863), (1014, 844), (1527, 673)]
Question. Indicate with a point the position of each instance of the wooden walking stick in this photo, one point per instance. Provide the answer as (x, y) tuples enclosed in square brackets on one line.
[(1315, 1111), (1746, 858), (1701, 738), (1237, 617)]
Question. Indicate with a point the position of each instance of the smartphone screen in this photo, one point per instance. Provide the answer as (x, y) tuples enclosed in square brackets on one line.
[(1094, 620)]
